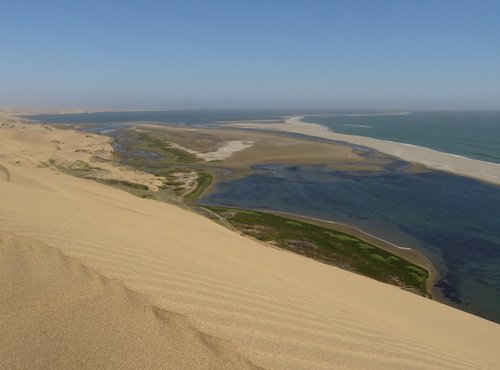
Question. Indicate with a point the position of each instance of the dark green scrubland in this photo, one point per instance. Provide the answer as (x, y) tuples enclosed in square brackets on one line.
[(202, 182)]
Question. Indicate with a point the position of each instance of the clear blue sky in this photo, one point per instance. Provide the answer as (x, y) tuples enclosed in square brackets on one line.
[(400, 54)]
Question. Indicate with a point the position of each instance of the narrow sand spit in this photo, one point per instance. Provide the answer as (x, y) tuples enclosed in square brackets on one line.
[(178, 278), (484, 171)]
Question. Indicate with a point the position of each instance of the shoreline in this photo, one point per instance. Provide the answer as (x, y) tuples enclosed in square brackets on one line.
[(472, 168)]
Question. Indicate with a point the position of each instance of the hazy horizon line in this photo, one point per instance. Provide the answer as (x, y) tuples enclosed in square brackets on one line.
[(39, 111)]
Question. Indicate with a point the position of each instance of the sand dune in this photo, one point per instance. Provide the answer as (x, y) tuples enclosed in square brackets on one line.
[(273, 308), (57, 313), (32, 145), (4, 173)]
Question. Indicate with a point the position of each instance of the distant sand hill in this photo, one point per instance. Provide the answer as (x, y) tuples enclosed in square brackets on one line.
[(93, 277)]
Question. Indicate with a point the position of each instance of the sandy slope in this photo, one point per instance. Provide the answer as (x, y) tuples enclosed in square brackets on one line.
[(277, 309), (90, 321), (484, 171)]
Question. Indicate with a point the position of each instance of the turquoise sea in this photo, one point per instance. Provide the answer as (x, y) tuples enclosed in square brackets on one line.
[(468, 134)]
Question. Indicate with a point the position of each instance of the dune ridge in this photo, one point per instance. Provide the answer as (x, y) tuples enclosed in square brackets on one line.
[(270, 307)]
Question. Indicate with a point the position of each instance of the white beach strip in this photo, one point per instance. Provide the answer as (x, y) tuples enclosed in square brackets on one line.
[(473, 168)]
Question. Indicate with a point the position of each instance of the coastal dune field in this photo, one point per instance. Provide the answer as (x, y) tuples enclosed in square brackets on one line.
[(95, 277)]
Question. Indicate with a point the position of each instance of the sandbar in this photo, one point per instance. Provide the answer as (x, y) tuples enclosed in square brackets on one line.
[(479, 170)]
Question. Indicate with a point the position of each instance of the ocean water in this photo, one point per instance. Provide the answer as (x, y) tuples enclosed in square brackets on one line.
[(469, 134), (451, 219)]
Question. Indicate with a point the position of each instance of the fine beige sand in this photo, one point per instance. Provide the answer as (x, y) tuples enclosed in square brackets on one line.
[(57, 313), (94, 277), (480, 170)]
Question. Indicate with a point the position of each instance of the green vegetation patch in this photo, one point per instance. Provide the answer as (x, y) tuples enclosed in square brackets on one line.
[(78, 168), (161, 147), (365, 246), (378, 258), (202, 182), (345, 237), (329, 246), (123, 183)]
